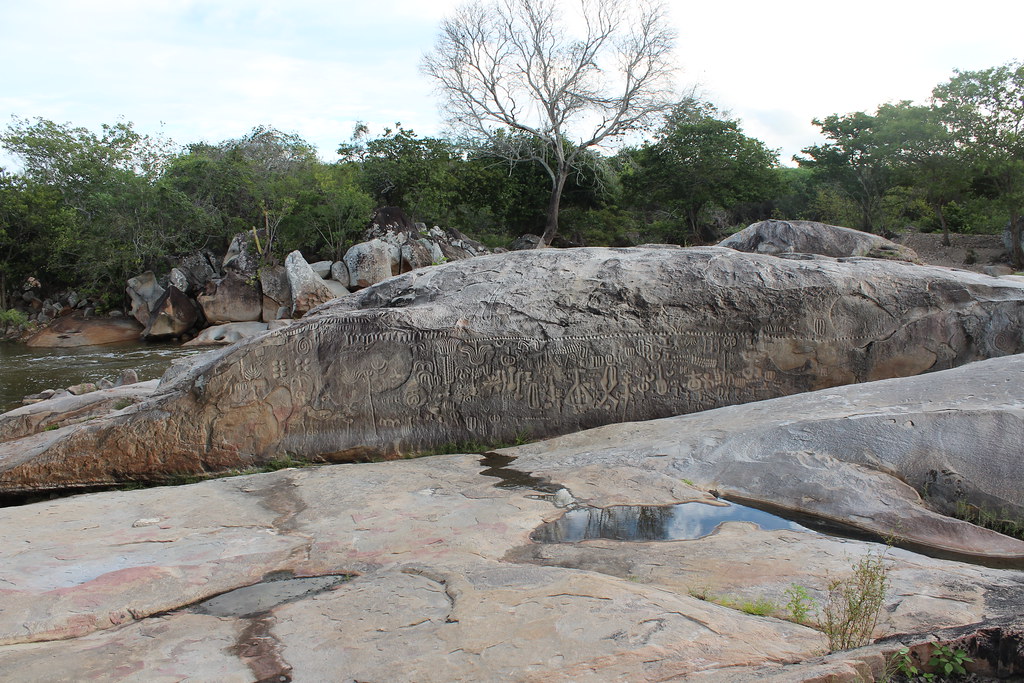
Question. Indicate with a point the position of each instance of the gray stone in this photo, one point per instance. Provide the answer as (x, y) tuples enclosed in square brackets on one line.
[(809, 237), (369, 263), (339, 273), (231, 300), (308, 289), (228, 333), (322, 268), (197, 269), (144, 291), (862, 454), (174, 315), (475, 351), (243, 254)]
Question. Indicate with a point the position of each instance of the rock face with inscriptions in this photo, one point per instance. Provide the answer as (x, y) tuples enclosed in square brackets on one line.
[(538, 343)]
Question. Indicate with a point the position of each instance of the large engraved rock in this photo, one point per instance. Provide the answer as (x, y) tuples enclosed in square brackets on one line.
[(809, 237), (538, 343)]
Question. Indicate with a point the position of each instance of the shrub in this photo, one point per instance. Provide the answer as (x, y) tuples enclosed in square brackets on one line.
[(854, 603)]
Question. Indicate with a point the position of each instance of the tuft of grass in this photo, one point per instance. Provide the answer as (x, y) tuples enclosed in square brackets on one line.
[(12, 317), (999, 521), (761, 607)]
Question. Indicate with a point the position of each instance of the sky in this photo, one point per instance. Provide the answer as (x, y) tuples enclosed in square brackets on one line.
[(208, 71)]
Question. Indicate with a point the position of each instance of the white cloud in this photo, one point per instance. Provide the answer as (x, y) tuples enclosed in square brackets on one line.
[(211, 70)]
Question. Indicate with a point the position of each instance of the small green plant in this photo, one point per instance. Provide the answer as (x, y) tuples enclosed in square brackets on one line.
[(949, 662), (50, 428), (688, 482), (854, 603), (902, 664), (760, 607), (122, 403), (800, 604)]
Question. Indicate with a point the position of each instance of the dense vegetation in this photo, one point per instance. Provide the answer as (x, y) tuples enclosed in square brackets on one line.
[(88, 210)]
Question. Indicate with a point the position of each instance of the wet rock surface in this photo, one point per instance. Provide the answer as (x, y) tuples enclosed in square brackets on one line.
[(479, 350)]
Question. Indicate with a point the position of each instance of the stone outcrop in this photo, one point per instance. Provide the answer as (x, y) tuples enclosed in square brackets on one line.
[(71, 409), (308, 289), (228, 333), (862, 455), (230, 299), (809, 237), (144, 292), (311, 574), (477, 351), (174, 315), (370, 262), (76, 330)]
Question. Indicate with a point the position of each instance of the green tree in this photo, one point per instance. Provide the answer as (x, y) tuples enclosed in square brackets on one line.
[(516, 66), (701, 159), (109, 182), (984, 113)]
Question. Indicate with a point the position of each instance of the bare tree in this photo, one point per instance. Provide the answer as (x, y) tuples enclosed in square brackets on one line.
[(514, 77)]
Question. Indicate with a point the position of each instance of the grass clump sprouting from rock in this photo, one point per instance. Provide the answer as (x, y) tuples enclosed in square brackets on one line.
[(850, 613)]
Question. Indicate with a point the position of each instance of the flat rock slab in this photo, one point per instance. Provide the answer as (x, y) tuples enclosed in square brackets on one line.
[(205, 582), (858, 454), (535, 344), (73, 331)]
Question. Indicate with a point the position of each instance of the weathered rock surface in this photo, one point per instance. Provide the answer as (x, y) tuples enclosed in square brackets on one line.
[(809, 237), (143, 292), (113, 586), (228, 333), (308, 289), (230, 300), (476, 351), (859, 455), (59, 412), (174, 314), (369, 262), (74, 330)]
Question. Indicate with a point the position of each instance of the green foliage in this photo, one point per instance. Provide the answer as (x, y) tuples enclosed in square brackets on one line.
[(1000, 521), (700, 160), (11, 317), (799, 604), (948, 662), (854, 603), (761, 607)]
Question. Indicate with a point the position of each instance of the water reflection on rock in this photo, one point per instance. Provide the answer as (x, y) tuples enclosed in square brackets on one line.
[(654, 522)]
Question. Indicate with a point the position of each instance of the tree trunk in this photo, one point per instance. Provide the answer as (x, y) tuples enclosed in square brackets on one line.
[(3, 291), (1015, 234), (551, 226), (945, 226)]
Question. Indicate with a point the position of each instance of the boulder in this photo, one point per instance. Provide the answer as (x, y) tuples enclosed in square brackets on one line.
[(475, 351), (277, 293), (231, 300), (339, 273), (525, 242), (74, 330), (228, 333), (174, 315), (194, 271), (144, 291), (243, 254), (370, 262), (322, 269), (863, 455), (809, 237), (308, 289)]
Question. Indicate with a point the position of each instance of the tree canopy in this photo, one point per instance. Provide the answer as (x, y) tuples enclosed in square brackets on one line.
[(513, 74)]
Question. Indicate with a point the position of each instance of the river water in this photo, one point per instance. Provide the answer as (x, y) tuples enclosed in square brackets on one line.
[(25, 370)]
